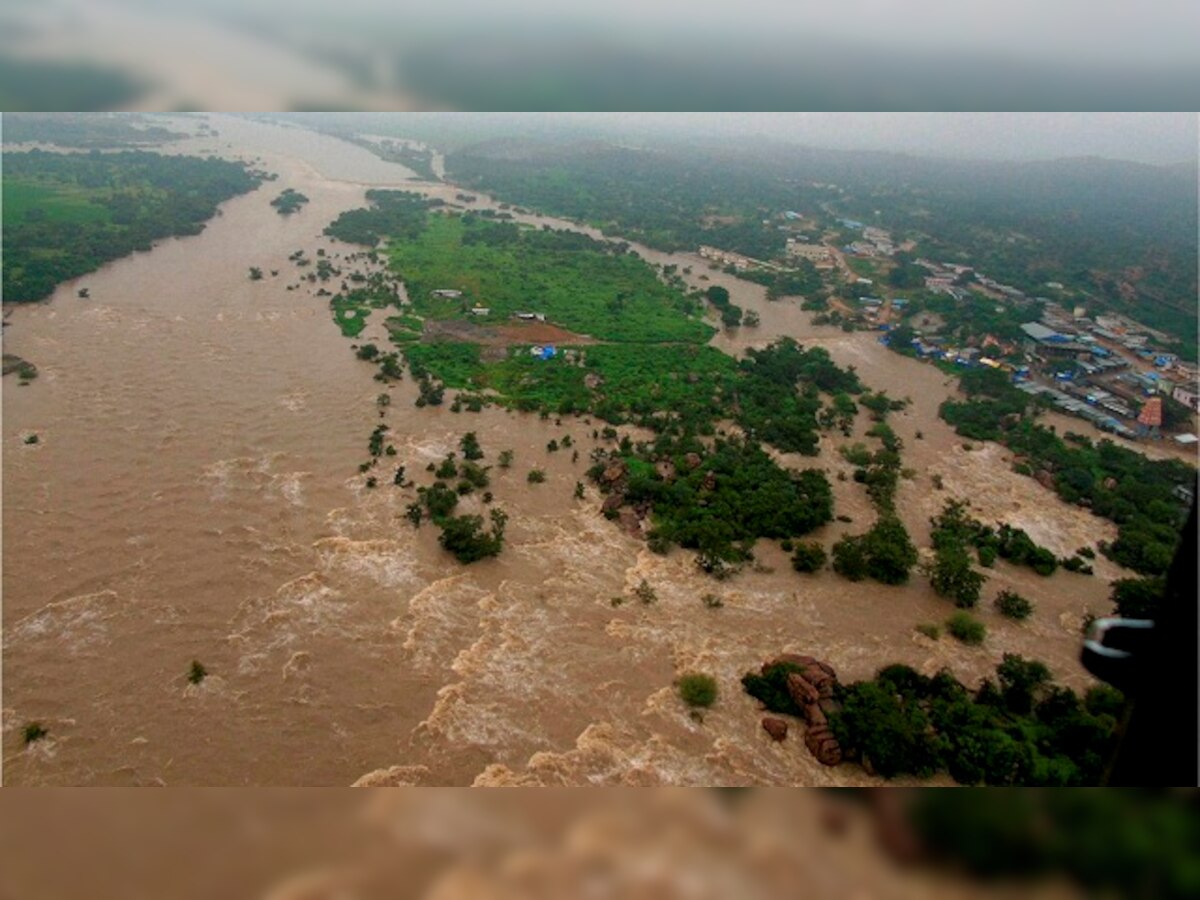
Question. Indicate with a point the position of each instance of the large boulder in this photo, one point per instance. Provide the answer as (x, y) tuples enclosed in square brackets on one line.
[(823, 745), (612, 503), (692, 460), (614, 472), (776, 727), (802, 693)]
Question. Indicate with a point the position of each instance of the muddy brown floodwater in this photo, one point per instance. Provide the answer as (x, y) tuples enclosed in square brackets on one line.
[(194, 495)]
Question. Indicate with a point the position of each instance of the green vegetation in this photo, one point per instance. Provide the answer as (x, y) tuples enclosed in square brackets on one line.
[(469, 445), (465, 537), (536, 476), (289, 202), (25, 370), (716, 500), (1120, 234), (698, 689), (966, 628), (197, 672), (809, 556), (731, 315), (85, 130), (1020, 729), (954, 530), (951, 576), (588, 286), (931, 630), (645, 593), (1138, 598), (885, 553), (1013, 606), (34, 731), (66, 214)]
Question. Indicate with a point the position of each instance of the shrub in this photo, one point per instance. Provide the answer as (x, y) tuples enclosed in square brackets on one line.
[(645, 593), (197, 673), (1013, 606), (930, 630), (809, 557), (951, 576), (469, 444), (712, 601), (506, 459), (535, 476), (966, 628), (34, 732), (698, 690), (31, 439), (465, 538)]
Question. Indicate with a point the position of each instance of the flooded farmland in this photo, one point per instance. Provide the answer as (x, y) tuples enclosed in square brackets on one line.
[(194, 494)]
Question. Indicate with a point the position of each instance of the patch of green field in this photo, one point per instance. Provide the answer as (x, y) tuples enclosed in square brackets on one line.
[(405, 329), (865, 267), (30, 200), (350, 315), (576, 282)]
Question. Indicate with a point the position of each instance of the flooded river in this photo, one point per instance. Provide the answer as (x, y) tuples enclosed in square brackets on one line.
[(194, 494)]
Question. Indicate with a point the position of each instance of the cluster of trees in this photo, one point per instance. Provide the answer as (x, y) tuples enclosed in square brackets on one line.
[(466, 537), (1016, 729), (954, 531), (667, 200), (776, 394), (731, 313), (399, 215), (66, 214), (719, 500), (800, 279), (84, 130), (992, 403), (885, 553), (289, 202)]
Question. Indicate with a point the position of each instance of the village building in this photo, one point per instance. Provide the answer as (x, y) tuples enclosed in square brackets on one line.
[(1188, 395)]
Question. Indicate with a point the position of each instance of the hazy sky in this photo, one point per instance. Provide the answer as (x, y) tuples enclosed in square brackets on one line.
[(1143, 137)]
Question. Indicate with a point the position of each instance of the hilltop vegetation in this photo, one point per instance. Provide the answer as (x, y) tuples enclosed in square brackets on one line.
[(1121, 233), (87, 131), (67, 214)]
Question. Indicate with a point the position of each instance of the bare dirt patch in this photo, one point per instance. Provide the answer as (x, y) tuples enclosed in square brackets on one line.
[(501, 335)]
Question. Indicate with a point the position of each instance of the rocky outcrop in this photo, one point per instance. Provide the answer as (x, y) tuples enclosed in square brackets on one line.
[(693, 460), (776, 727), (612, 503), (811, 688), (614, 473), (823, 745), (1045, 479)]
